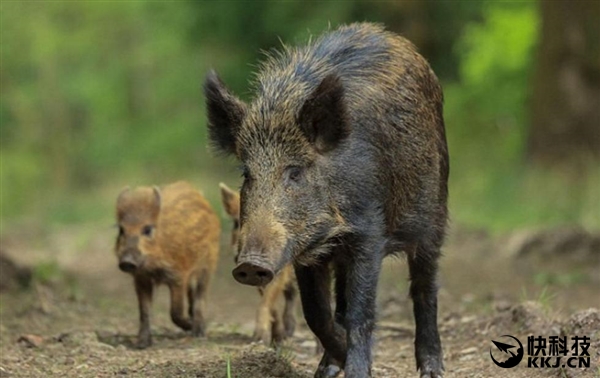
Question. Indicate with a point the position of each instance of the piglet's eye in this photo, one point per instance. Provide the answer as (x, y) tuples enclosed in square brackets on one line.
[(121, 231), (293, 173), (147, 230)]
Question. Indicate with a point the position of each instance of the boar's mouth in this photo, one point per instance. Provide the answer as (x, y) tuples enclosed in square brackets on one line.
[(253, 273)]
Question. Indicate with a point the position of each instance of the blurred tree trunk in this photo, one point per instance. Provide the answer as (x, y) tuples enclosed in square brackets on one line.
[(566, 89)]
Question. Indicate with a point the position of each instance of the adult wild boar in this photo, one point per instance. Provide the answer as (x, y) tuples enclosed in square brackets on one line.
[(345, 161)]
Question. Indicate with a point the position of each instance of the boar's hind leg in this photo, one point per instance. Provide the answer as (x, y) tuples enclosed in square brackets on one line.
[(197, 303), (143, 289), (289, 312), (329, 366), (178, 291), (315, 295), (423, 265)]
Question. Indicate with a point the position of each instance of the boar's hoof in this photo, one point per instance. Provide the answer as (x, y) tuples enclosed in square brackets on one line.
[(143, 342), (253, 274), (329, 371), (432, 375), (432, 369)]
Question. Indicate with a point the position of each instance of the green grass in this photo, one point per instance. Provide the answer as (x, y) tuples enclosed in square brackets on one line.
[(229, 366), (520, 197), (545, 298), (567, 279)]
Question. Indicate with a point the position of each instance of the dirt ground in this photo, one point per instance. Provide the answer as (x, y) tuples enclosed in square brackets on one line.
[(82, 321)]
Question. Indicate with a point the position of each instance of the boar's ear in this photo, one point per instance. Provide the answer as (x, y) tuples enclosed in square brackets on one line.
[(225, 113), (323, 117), (231, 201)]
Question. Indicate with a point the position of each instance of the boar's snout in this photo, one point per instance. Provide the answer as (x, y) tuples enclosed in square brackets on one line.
[(253, 273), (128, 262)]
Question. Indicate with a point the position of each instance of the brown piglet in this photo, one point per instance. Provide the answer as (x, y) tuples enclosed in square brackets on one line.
[(272, 326), (171, 236)]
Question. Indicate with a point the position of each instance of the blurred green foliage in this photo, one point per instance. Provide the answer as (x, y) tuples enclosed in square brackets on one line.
[(99, 95)]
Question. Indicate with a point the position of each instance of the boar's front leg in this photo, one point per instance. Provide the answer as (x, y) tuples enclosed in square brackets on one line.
[(143, 289), (314, 283), (178, 292), (362, 274)]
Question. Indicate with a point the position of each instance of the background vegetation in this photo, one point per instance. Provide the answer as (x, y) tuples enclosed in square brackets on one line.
[(99, 95)]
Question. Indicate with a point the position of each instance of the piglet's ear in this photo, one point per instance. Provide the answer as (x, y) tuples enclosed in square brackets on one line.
[(121, 201), (231, 201), (122, 195), (157, 200), (225, 113), (323, 116), (157, 196)]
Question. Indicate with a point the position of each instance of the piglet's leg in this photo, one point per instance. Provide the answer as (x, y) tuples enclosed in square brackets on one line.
[(178, 292), (144, 289), (267, 317), (289, 312), (197, 303)]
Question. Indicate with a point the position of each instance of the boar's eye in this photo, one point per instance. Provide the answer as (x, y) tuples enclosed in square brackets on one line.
[(121, 231), (147, 230), (246, 173), (293, 174)]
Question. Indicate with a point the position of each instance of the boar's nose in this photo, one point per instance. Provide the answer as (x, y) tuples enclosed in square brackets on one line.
[(127, 263), (253, 273)]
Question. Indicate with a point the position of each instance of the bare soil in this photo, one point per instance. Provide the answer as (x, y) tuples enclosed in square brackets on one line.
[(82, 321)]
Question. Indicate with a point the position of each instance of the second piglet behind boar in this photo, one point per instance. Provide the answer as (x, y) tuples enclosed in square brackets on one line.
[(170, 236), (272, 325)]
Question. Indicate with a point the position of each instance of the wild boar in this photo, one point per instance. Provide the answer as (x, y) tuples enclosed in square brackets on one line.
[(345, 161), (171, 236)]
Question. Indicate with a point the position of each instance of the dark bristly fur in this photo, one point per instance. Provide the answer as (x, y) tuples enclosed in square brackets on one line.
[(345, 161)]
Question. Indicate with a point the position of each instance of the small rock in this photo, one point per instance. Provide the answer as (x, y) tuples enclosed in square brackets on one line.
[(470, 350), (585, 322), (308, 344), (4, 372), (574, 242)]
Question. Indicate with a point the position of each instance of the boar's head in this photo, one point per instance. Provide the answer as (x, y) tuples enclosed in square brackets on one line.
[(284, 140)]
